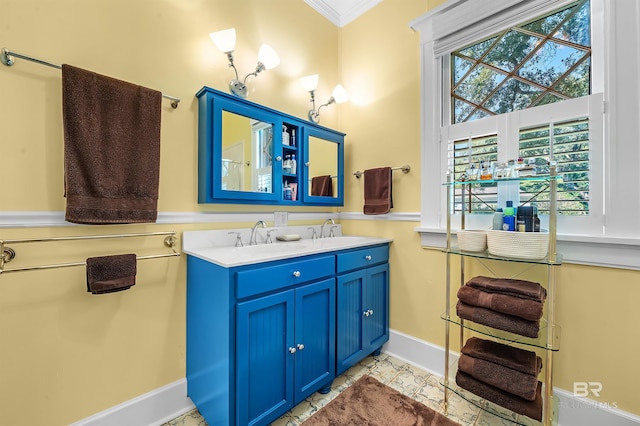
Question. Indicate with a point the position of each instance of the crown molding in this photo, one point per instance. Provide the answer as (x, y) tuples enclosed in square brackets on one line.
[(341, 12)]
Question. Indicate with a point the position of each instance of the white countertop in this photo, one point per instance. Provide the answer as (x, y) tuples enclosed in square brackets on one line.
[(218, 246)]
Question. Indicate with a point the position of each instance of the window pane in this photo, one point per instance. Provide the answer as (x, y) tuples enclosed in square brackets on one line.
[(537, 63)]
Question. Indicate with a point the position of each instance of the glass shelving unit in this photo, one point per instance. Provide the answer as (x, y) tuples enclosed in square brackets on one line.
[(548, 340)]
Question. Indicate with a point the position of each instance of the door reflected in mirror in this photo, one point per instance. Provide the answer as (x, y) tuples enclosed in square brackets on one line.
[(323, 167), (247, 154)]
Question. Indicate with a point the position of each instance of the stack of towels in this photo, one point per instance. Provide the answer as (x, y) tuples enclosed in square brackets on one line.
[(504, 375), (506, 304)]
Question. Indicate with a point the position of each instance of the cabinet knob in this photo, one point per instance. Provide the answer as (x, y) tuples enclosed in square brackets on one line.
[(366, 313), (368, 257), (292, 350), (370, 311), (300, 346), (296, 274), (278, 158)]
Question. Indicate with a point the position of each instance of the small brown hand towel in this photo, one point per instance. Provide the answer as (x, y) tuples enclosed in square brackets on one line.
[(501, 377), (507, 304), (504, 399), (518, 359), (512, 287), (322, 186), (112, 149), (498, 320), (377, 191), (107, 274)]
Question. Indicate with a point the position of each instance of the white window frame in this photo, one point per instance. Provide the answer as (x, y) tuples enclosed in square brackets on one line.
[(615, 71)]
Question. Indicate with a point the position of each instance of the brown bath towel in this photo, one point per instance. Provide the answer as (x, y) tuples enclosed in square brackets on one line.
[(107, 274), (517, 288), (322, 186), (112, 149), (532, 409), (498, 320), (377, 191), (512, 381), (523, 308), (508, 356)]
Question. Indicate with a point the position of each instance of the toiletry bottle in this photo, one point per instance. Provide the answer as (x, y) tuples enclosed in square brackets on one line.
[(293, 137), (286, 164), (509, 223), (285, 135), (293, 164), (498, 219)]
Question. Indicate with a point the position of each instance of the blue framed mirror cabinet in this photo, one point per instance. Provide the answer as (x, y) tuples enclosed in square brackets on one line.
[(252, 154)]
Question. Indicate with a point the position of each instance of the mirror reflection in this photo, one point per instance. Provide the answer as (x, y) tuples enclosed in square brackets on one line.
[(247, 154), (323, 167)]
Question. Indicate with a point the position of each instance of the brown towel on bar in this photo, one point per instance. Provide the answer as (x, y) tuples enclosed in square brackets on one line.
[(508, 356), (112, 149), (517, 288), (377, 191), (512, 381), (106, 274), (532, 409), (322, 186), (498, 320), (523, 308)]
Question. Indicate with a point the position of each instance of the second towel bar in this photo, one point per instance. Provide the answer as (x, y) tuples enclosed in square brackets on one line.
[(405, 169)]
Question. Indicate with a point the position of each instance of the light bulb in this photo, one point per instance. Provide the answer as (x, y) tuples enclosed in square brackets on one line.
[(268, 57), (224, 40), (340, 94), (310, 82)]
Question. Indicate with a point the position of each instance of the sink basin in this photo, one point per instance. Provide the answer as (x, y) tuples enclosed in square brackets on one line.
[(271, 248)]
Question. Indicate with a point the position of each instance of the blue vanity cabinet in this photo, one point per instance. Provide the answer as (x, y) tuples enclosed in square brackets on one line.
[(362, 304), (260, 338)]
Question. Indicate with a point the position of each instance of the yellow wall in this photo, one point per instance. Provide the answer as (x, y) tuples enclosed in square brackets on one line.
[(67, 354)]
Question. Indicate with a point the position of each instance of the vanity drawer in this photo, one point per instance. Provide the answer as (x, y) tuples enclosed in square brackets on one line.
[(362, 258), (270, 277)]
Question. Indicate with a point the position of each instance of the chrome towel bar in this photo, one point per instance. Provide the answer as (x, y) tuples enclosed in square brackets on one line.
[(7, 58), (405, 169), (7, 253)]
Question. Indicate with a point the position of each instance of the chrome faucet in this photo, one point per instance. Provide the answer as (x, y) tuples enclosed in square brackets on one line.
[(254, 235), (324, 224)]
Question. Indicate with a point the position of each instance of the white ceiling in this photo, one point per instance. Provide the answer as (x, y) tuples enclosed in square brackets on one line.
[(341, 12)]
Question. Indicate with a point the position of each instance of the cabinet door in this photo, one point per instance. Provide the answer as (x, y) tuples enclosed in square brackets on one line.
[(265, 334), (315, 337), (350, 343), (376, 307)]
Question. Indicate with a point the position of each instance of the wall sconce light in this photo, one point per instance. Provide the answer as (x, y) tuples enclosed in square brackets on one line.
[(310, 83), (225, 40)]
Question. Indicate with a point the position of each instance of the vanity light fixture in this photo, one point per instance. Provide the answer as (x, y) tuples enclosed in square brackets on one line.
[(310, 83), (225, 40)]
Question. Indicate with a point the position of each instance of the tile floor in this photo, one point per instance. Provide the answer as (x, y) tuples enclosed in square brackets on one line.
[(406, 378)]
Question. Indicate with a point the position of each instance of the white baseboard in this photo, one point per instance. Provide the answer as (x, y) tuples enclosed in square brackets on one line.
[(574, 411), (151, 409)]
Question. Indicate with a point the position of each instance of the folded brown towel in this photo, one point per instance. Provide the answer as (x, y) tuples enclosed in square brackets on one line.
[(106, 274), (377, 191), (112, 148), (508, 356), (498, 320), (512, 287), (532, 409), (512, 381), (507, 304), (322, 186)]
